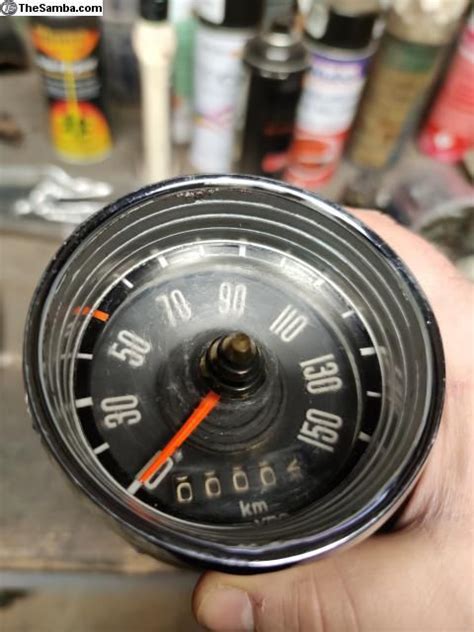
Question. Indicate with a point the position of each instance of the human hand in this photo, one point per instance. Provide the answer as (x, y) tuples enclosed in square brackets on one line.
[(418, 577)]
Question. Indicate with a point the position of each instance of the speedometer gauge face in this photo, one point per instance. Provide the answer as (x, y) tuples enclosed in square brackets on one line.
[(239, 373)]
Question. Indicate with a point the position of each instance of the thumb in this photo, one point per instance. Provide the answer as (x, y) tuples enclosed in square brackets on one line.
[(388, 582)]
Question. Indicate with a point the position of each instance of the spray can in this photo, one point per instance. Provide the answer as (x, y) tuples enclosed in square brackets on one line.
[(339, 36), (154, 43), (223, 29), (449, 130), (275, 63), (406, 64), (67, 53), (182, 18)]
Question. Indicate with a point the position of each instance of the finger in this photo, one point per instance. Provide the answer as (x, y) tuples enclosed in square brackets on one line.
[(394, 582)]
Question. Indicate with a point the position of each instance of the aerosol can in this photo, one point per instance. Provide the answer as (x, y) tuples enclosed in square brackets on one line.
[(224, 27), (339, 35), (275, 63), (68, 56)]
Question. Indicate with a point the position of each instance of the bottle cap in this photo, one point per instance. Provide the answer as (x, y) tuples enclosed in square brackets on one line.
[(332, 27), (278, 50), (234, 14), (433, 23), (154, 10)]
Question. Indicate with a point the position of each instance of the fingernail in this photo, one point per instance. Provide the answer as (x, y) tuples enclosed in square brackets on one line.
[(226, 609)]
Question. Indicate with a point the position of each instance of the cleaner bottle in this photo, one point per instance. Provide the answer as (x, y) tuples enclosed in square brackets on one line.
[(154, 44)]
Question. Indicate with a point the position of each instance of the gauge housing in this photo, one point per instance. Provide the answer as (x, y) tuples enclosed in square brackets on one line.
[(353, 260)]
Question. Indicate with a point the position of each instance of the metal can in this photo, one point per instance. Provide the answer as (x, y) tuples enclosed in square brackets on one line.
[(67, 53), (275, 64), (406, 65), (222, 32), (449, 130), (341, 49)]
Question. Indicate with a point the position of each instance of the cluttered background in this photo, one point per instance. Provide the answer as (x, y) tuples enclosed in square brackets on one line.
[(369, 103)]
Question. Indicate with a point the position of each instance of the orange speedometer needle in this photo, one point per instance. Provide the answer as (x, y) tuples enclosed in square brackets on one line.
[(199, 414)]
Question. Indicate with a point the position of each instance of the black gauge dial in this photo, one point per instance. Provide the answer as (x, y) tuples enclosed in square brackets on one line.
[(139, 375), (238, 372)]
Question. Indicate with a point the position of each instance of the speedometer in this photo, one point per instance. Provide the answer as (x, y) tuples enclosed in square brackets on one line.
[(239, 373)]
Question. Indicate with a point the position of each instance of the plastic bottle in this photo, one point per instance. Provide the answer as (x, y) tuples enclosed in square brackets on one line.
[(154, 43)]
